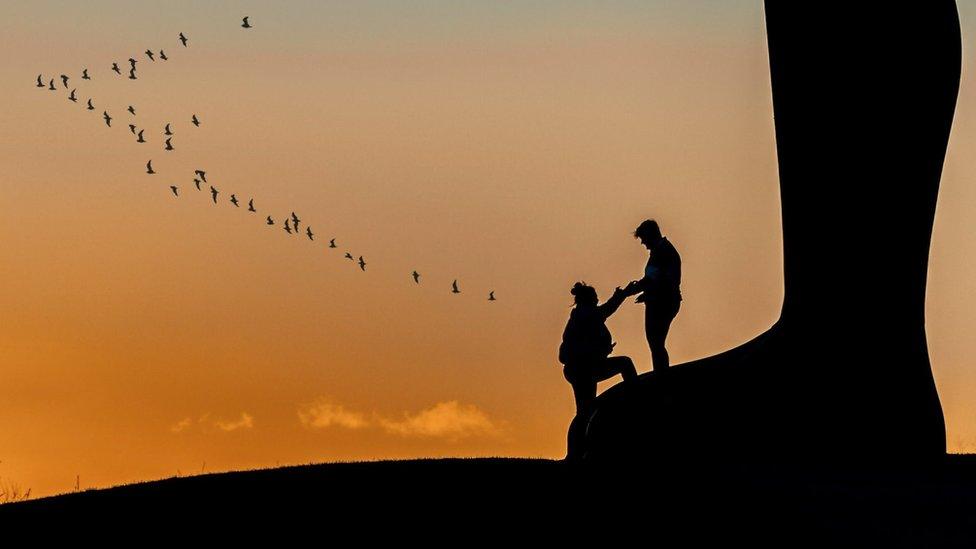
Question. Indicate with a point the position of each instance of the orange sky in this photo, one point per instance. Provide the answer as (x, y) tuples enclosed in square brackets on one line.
[(513, 148)]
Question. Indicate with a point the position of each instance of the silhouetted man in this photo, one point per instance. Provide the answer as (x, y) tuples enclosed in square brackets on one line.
[(661, 287)]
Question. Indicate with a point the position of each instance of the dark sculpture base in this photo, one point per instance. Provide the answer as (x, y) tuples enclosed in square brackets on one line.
[(864, 95)]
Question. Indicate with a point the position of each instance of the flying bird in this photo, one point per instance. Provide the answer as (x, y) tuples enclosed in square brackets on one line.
[(454, 288), (169, 146), (167, 130), (90, 106), (115, 67), (195, 121), (162, 55), (362, 264), (197, 183), (296, 220), (149, 169), (72, 96), (202, 174), (213, 193), (332, 243), (270, 221), (84, 74), (175, 190), (132, 128), (183, 39), (140, 140), (40, 83), (64, 80), (132, 110), (132, 62), (233, 200), (308, 231), (287, 226), (51, 86), (149, 54), (246, 24), (349, 256), (491, 296), (108, 119), (250, 205), (416, 277)]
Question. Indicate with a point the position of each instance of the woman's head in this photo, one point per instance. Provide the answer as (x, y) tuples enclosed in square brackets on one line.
[(584, 295)]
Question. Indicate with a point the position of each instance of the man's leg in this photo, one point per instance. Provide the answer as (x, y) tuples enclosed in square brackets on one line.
[(657, 323)]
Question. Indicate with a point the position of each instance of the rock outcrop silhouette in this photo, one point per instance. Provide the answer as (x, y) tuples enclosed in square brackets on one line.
[(864, 95)]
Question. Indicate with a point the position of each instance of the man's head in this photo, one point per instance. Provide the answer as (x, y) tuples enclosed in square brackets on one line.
[(648, 233)]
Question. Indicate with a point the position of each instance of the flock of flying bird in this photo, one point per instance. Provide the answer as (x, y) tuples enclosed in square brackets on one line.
[(291, 224)]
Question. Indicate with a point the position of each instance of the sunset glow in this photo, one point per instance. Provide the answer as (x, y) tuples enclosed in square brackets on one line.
[(512, 147)]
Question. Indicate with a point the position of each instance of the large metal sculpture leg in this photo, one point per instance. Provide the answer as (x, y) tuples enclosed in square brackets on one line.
[(864, 97)]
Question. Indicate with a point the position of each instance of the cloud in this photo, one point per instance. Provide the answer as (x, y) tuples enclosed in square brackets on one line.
[(444, 419), (246, 421), (323, 413), (181, 424), (450, 419)]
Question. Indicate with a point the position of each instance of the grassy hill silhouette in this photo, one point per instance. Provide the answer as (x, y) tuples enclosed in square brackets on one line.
[(489, 495)]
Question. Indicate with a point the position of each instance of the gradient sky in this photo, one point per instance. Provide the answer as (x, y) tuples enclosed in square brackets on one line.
[(512, 146)]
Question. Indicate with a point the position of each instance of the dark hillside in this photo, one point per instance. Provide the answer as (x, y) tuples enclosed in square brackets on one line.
[(491, 496)]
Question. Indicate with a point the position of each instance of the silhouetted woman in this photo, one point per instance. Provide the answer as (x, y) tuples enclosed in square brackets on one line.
[(585, 352)]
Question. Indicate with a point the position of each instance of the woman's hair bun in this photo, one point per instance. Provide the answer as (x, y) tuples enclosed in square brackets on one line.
[(577, 287)]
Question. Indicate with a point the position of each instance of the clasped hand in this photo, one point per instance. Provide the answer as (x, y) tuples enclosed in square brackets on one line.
[(632, 288)]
